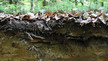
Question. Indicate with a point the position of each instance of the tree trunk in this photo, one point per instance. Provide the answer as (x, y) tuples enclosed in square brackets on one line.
[(10, 1), (95, 1), (31, 5), (102, 4), (16, 1), (45, 3), (76, 3), (81, 2)]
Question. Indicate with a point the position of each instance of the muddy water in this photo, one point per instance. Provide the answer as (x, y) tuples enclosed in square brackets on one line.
[(14, 48)]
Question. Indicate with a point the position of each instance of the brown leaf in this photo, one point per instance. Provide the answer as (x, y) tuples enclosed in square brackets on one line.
[(49, 13), (26, 17), (36, 40), (76, 15)]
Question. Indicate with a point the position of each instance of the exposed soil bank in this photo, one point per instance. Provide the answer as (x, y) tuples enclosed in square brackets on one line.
[(13, 48)]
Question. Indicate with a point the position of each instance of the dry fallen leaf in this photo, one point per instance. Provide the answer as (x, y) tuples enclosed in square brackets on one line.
[(86, 21), (101, 18), (56, 17), (85, 15), (49, 13), (93, 15), (76, 15), (48, 19), (106, 14), (26, 17)]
